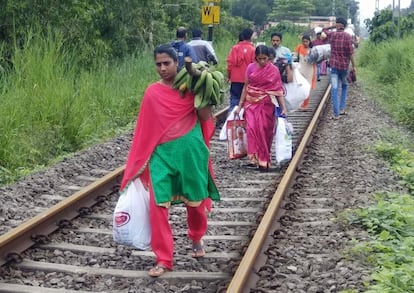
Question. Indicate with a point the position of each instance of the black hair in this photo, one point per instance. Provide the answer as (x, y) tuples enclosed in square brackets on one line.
[(247, 34), (262, 49), (181, 32), (197, 33), (307, 37), (167, 49), (277, 35), (241, 38), (342, 21), (272, 50)]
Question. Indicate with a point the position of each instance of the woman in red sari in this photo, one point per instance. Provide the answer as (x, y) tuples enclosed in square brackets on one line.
[(170, 155), (262, 92)]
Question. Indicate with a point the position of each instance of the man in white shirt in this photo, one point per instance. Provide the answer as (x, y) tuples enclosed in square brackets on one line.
[(281, 51), (203, 49)]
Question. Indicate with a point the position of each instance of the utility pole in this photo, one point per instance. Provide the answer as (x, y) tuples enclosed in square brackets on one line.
[(333, 8), (376, 5), (398, 20)]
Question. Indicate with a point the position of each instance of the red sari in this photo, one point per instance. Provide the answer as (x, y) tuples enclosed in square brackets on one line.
[(158, 124), (166, 117), (264, 84)]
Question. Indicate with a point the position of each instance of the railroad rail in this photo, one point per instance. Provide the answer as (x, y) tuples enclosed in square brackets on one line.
[(69, 247)]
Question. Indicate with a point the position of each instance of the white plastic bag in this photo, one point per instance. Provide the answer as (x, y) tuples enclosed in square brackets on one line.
[(283, 140), (296, 91), (131, 223), (223, 131)]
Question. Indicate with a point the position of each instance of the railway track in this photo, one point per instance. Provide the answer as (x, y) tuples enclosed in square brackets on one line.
[(69, 248)]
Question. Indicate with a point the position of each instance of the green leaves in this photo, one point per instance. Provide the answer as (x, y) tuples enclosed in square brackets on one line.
[(390, 224)]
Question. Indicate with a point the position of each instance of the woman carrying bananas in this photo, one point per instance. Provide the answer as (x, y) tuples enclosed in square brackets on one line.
[(262, 92), (170, 155)]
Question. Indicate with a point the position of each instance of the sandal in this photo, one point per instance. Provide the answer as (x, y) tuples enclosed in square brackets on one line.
[(158, 271), (342, 113), (250, 166), (198, 249)]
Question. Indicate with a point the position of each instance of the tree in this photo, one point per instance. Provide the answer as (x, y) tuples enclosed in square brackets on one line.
[(253, 10), (322, 7), (290, 9)]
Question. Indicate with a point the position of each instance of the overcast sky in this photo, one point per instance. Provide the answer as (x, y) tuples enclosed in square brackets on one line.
[(367, 7)]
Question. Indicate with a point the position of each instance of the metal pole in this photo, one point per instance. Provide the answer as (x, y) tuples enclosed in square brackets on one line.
[(393, 15), (210, 33), (398, 20)]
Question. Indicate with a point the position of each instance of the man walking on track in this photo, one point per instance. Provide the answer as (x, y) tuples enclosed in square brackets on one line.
[(182, 48), (203, 49), (342, 52), (241, 55)]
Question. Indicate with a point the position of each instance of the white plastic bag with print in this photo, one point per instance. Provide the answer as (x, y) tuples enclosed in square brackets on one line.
[(131, 223), (283, 140), (296, 91), (223, 131)]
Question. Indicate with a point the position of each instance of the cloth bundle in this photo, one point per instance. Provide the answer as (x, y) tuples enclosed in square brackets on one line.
[(319, 53)]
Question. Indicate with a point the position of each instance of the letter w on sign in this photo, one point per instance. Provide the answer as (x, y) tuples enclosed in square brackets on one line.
[(210, 14)]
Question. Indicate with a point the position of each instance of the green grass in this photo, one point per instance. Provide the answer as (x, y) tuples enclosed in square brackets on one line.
[(51, 107), (387, 75)]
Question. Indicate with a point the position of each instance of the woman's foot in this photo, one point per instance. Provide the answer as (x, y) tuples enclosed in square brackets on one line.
[(198, 249), (263, 169), (158, 271)]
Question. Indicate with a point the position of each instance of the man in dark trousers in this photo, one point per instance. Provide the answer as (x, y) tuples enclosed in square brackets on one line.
[(203, 49), (182, 48), (342, 53), (240, 55)]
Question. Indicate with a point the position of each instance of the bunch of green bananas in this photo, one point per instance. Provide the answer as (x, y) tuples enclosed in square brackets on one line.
[(208, 86)]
